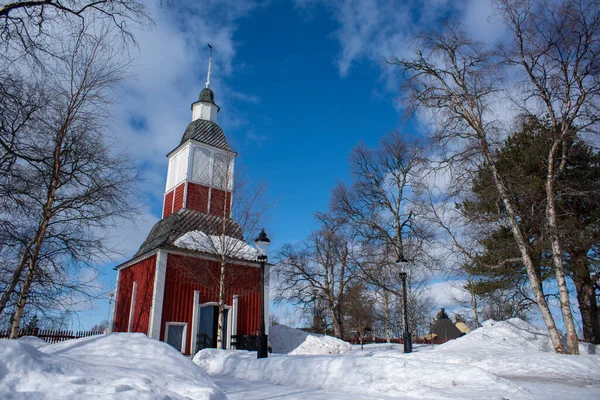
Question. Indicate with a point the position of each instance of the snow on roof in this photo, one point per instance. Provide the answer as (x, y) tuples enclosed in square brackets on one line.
[(217, 245)]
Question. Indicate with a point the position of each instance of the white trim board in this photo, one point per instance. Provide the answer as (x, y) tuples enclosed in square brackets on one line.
[(160, 274)]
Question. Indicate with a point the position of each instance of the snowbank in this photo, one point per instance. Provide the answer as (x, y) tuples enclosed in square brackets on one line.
[(33, 341), (367, 376), (200, 241), (286, 340), (124, 366), (516, 349)]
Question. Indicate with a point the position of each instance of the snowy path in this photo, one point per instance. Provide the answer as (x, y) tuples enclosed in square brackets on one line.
[(237, 389), (560, 391)]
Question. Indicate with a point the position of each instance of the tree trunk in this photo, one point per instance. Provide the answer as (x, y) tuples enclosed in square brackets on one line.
[(475, 312), (535, 282), (15, 278), (337, 328), (221, 318), (40, 235), (588, 307), (386, 315), (557, 256), (586, 297)]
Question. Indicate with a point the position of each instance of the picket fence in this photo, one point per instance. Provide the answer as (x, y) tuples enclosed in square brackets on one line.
[(50, 335)]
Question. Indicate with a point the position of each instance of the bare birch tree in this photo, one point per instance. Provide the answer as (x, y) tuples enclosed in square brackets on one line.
[(320, 266), (458, 82), (385, 216), (555, 46), (72, 185)]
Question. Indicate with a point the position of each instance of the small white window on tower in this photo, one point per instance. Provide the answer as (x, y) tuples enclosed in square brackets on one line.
[(201, 166), (171, 173), (181, 166)]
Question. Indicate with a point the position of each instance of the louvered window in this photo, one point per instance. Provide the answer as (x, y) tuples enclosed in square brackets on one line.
[(221, 172), (201, 166)]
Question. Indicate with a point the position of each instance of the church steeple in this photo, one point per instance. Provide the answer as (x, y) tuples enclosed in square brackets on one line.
[(206, 108), (200, 174)]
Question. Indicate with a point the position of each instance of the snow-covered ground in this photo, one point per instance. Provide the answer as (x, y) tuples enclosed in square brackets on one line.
[(116, 366), (502, 360), (286, 340)]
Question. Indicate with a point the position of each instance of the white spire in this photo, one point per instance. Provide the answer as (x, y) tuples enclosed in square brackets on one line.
[(209, 63)]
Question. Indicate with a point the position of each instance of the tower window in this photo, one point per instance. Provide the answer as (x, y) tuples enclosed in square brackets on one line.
[(201, 166), (222, 172)]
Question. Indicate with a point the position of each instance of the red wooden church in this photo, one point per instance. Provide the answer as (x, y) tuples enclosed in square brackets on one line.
[(169, 288)]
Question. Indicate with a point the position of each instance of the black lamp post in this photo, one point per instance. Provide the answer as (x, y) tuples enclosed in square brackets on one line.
[(402, 262), (262, 245)]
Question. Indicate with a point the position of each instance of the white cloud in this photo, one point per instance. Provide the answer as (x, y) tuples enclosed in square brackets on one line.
[(449, 294), (170, 71)]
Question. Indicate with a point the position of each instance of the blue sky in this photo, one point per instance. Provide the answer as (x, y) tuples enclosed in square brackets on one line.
[(300, 84)]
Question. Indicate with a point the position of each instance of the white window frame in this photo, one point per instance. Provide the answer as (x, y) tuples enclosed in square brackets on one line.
[(183, 337), (210, 165), (228, 164), (178, 161)]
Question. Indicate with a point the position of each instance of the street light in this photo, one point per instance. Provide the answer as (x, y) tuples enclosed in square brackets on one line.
[(402, 263), (262, 245)]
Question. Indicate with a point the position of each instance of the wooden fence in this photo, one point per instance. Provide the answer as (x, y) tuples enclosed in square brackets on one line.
[(51, 335)]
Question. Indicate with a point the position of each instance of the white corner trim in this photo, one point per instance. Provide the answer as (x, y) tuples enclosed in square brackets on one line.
[(195, 317), (113, 311), (160, 275), (234, 311), (235, 314), (132, 306)]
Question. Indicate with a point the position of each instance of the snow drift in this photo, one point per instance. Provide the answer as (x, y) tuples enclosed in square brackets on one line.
[(286, 340), (124, 366), (479, 365), (514, 348), (367, 376)]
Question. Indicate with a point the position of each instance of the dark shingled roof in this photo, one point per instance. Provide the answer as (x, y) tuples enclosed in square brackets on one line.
[(206, 131), (167, 230), (207, 96)]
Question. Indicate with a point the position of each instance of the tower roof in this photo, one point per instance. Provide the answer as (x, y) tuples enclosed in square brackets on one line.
[(206, 131), (166, 231), (207, 96)]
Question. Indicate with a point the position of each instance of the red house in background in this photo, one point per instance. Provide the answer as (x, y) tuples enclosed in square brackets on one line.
[(169, 288)]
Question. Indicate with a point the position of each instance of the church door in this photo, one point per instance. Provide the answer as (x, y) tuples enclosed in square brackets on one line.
[(207, 328)]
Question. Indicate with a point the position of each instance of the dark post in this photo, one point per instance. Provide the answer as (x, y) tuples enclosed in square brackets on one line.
[(406, 336), (262, 246), (262, 338)]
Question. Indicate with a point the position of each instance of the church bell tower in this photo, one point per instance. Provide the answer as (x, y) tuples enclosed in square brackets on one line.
[(200, 174)]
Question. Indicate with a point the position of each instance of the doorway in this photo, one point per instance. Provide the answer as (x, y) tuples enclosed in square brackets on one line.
[(207, 327)]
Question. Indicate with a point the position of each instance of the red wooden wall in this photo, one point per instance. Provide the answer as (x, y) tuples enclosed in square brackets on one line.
[(174, 200), (143, 273), (178, 202), (197, 197), (186, 274), (217, 197), (168, 207)]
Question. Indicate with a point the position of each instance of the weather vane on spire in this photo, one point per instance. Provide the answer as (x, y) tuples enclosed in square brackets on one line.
[(209, 63)]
